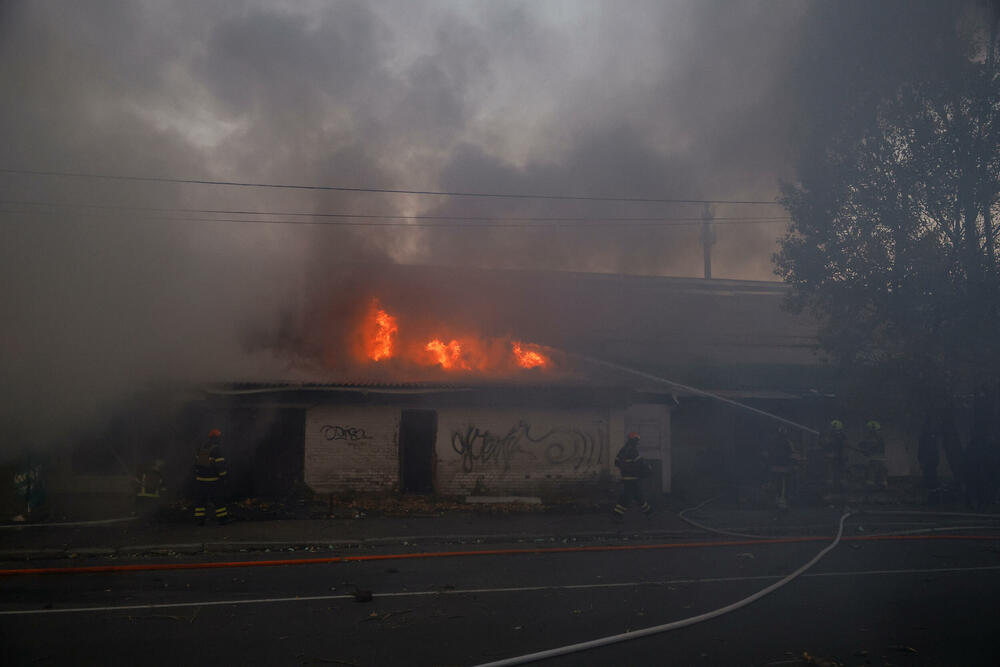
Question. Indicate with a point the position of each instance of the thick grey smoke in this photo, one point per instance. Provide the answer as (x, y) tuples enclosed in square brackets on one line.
[(692, 99)]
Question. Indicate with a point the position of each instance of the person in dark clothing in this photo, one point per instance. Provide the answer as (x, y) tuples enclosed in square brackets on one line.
[(951, 443), (835, 454), (149, 487), (873, 446), (928, 455), (632, 468), (779, 463), (979, 463), (209, 478), (29, 487)]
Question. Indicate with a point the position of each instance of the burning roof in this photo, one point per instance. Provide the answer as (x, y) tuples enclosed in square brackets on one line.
[(382, 341), (394, 324)]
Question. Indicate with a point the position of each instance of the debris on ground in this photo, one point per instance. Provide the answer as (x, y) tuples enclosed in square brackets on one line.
[(820, 662), (332, 661), (376, 616), (903, 649)]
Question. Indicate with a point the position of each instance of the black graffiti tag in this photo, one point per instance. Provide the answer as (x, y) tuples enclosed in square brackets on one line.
[(568, 446), (475, 445), (558, 446), (348, 433)]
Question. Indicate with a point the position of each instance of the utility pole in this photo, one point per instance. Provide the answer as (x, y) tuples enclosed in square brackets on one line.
[(707, 238)]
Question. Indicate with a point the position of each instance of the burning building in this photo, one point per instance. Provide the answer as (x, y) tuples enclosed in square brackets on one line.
[(492, 415), (488, 385)]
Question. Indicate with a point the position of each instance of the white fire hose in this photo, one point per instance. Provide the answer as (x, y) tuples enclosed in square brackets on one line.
[(685, 622), (674, 625)]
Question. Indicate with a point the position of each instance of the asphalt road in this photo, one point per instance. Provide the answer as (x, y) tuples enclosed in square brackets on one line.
[(912, 602)]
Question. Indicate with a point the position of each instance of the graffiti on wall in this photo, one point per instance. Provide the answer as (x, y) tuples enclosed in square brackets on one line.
[(346, 433), (558, 446)]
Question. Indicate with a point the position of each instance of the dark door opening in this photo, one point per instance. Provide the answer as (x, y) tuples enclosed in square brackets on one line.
[(279, 453), (417, 433)]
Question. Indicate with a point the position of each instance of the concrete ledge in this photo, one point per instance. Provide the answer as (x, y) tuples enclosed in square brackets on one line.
[(497, 500), (31, 554), (195, 548), (161, 549), (88, 552), (229, 547)]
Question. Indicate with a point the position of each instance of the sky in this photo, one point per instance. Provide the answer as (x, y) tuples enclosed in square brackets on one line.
[(699, 99)]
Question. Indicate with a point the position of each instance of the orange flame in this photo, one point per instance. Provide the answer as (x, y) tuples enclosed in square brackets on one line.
[(448, 356), (381, 345), (530, 358), (380, 339)]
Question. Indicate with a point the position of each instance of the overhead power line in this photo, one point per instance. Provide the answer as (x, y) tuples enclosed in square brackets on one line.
[(418, 220), (445, 224), (437, 193), (663, 224)]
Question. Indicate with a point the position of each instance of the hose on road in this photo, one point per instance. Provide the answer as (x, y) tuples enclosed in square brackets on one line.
[(666, 627), (682, 515)]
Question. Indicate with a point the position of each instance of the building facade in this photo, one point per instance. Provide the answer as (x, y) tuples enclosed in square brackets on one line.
[(542, 441)]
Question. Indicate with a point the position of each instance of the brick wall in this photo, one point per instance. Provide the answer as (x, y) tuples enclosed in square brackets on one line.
[(352, 448), (487, 451)]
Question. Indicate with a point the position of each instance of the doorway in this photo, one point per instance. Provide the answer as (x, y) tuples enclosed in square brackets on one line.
[(417, 433)]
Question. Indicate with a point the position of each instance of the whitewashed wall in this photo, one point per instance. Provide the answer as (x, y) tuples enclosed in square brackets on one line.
[(352, 448), (520, 451)]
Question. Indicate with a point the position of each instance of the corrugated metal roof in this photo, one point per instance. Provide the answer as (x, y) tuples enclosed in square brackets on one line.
[(370, 386)]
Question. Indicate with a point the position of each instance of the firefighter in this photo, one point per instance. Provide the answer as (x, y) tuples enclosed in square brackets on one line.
[(632, 468), (928, 456), (779, 460), (150, 480), (209, 478), (29, 486), (873, 446), (149, 485), (835, 453)]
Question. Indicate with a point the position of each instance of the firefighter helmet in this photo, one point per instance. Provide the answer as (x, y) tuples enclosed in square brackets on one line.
[(874, 426), (633, 435), (215, 433), (837, 425)]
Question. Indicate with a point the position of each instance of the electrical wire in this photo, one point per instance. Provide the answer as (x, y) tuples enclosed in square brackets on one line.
[(437, 193), (464, 222)]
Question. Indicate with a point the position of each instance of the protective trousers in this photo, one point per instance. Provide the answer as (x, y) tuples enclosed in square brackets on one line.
[(210, 492), (631, 491)]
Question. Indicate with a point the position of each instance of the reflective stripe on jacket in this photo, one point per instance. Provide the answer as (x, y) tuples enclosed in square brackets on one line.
[(210, 465), (629, 461)]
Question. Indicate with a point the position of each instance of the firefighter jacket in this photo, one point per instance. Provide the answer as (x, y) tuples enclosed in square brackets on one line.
[(150, 482), (873, 446), (209, 464), (629, 462)]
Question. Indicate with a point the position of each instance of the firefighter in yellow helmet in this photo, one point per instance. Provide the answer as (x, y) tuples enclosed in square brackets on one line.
[(209, 478), (632, 468)]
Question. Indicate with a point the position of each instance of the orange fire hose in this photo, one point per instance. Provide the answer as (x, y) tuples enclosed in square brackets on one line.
[(148, 567)]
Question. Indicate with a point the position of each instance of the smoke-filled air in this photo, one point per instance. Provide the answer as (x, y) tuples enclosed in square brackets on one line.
[(624, 117)]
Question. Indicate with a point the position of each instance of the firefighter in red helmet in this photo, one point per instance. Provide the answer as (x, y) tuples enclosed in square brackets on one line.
[(209, 477), (632, 468)]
